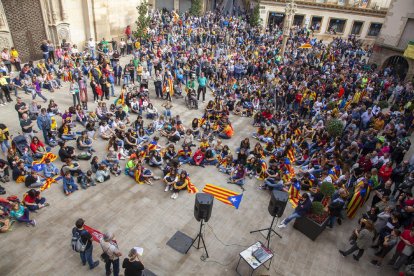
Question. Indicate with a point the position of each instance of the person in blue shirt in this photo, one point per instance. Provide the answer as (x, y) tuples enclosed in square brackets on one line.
[(69, 185), (17, 83), (202, 84), (49, 169)]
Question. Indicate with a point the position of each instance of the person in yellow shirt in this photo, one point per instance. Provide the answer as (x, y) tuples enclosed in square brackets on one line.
[(4, 87), (14, 58)]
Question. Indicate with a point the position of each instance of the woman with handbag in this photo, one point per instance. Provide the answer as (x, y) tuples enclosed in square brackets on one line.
[(110, 253)]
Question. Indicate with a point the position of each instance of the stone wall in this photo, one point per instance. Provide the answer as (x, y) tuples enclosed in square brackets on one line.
[(395, 21)]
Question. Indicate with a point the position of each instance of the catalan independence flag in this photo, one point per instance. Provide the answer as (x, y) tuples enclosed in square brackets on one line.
[(294, 194), (48, 182), (219, 193)]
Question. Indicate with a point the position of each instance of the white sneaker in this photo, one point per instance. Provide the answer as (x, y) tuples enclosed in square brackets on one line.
[(173, 196), (282, 225), (166, 188), (171, 188), (176, 196), (1, 104)]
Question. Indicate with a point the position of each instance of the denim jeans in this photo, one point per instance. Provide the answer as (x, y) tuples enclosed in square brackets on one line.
[(35, 207), (355, 248), (184, 159), (5, 145), (86, 256), (271, 182), (238, 182), (291, 217), (115, 267)]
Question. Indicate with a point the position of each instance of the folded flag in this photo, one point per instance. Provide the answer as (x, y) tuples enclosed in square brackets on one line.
[(48, 182), (48, 155), (38, 167), (294, 194), (219, 193), (235, 200), (191, 188)]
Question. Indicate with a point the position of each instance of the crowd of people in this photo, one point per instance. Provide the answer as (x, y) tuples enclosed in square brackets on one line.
[(293, 98)]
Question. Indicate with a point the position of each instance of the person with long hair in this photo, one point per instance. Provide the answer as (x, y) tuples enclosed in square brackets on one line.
[(133, 265)]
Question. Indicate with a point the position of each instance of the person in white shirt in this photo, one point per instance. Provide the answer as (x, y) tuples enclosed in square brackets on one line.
[(91, 47)]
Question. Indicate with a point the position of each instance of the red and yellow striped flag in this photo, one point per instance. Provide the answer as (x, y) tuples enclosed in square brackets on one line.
[(294, 194), (191, 188), (219, 193)]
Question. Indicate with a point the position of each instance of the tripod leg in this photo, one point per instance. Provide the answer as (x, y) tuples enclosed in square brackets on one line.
[(204, 244), (198, 237)]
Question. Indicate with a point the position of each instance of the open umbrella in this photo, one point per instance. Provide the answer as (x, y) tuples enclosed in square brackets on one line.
[(305, 46)]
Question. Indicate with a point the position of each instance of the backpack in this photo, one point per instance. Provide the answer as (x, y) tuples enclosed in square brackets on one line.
[(76, 241)]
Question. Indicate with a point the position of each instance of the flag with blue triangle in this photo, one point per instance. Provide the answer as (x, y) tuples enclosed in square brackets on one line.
[(235, 200)]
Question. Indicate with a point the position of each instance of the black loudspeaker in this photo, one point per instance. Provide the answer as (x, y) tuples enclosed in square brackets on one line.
[(277, 203), (203, 206)]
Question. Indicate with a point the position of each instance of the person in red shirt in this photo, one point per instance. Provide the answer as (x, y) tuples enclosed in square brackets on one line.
[(38, 148), (198, 157), (34, 201), (404, 249), (385, 172)]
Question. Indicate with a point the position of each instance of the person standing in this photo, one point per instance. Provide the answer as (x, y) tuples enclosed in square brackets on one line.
[(27, 128), (44, 122), (202, 84), (91, 47), (110, 247), (21, 107), (158, 84), (404, 249), (133, 265), (74, 90), (363, 240), (86, 238)]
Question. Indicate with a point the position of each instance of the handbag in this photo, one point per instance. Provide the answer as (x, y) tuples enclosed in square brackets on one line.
[(104, 256)]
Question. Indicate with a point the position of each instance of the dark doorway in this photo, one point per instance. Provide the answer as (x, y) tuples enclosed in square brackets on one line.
[(275, 19), (398, 64), (26, 26)]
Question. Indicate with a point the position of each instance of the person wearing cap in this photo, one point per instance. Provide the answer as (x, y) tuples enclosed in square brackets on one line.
[(110, 247)]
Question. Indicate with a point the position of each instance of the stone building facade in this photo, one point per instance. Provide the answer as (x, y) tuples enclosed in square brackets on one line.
[(363, 18), (394, 37), (24, 24)]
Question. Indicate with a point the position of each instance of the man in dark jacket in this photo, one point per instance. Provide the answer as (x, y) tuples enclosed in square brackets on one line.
[(303, 207), (86, 238)]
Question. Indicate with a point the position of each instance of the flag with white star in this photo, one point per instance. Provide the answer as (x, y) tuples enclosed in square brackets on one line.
[(235, 200)]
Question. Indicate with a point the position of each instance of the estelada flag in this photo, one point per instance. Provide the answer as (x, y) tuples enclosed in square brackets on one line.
[(219, 193), (294, 194), (96, 235)]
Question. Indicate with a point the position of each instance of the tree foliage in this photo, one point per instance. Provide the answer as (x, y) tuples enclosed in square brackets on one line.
[(196, 7), (142, 21), (255, 19)]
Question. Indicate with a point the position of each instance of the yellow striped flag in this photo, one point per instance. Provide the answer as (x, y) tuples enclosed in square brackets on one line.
[(219, 193)]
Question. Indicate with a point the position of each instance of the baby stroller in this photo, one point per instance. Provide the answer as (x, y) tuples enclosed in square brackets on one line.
[(19, 143)]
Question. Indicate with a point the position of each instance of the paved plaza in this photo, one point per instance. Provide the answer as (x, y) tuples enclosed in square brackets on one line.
[(146, 216)]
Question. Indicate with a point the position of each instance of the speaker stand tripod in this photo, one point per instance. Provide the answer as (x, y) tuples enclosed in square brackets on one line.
[(200, 238), (269, 230)]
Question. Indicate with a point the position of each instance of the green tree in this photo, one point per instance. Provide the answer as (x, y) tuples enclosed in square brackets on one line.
[(196, 7), (255, 19), (142, 21)]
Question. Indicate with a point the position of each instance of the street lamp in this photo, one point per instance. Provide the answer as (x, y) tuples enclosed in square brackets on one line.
[(290, 11)]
